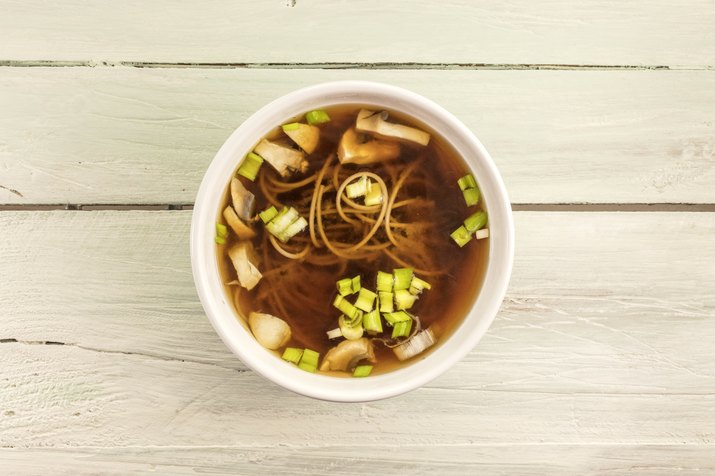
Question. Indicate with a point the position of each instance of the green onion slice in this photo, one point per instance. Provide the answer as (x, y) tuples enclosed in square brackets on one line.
[(372, 322), (403, 277), (292, 354), (309, 360), (250, 166), (471, 196), (290, 127), (345, 307), (221, 230), (317, 117), (220, 240), (418, 285), (403, 299), (461, 236), (467, 182), (386, 301), (384, 281), (402, 329), (475, 221), (365, 300), (362, 371), (268, 214)]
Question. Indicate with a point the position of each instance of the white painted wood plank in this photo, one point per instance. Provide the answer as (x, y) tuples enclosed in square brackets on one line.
[(654, 32), (125, 135), (595, 344), (444, 460)]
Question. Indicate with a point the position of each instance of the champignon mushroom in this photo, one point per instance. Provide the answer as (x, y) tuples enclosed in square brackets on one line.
[(376, 123), (304, 135), (351, 150), (242, 230), (270, 331), (243, 258), (284, 159), (244, 202), (347, 354)]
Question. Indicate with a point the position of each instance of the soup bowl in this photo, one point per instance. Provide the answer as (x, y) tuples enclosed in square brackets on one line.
[(235, 333)]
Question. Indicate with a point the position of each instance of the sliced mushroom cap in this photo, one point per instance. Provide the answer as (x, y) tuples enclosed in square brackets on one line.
[(270, 331), (304, 135), (376, 123), (347, 354), (243, 258), (242, 230), (244, 202), (351, 150), (284, 159)]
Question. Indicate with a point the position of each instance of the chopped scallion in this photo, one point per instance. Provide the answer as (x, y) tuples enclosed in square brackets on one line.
[(403, 277), (221, 230), (475, 221), (268, 214), (220, 240), (365, 300), (290, 127), (345, 307), (386, 301), (372, 322), (356, 283), (401, 329), (373, 195), (292, 354), (351, 332), (403, 299), (309, 360), (393, 318), (471, 196), (384, 281), (467, 182), (418, 285), (358, 188), (362, 371), (334, 333), (250, 166), (317, 117), (461, 236), (346, 321), (345, 286), (293, 229)]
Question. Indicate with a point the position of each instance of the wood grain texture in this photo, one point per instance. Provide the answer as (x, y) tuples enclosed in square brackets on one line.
[(585, 351), (661, 32), (517, 460), (125, 135)]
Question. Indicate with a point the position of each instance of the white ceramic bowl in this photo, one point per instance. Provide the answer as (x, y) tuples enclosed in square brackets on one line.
[(205, 265)]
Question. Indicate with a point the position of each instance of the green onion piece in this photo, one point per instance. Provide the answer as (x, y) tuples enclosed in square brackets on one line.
[(475, 222), (250, 166), (317, 117), (220, 240), (334, 333), (403, 277), (467, 182), (417, 285), (403, 299), (359, 188), (309, 360), (384, 281), (402, 329), (268, 214), (362, 371), (284, 219), (293, 229), (356, 283), (291, 354), (372, 322), (345, 321), (352, 333), (290, 127), (345, 307), (386, 301), (365, 300), (345, 286), (461, 236), (393, 318), (373, 195), (471, 196), (221, 230)]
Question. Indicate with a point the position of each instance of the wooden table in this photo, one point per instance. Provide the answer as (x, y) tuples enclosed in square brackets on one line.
[(600, 116)]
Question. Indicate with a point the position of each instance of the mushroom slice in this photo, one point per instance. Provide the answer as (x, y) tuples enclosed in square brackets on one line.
[(305, 135), (243, 258), (376, 122), (416, 344), (242, 230), (270, 331), (284, 159), (351, 151), (244, 202), (347, 354)]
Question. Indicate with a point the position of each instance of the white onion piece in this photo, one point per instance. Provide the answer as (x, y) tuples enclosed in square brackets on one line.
[(483, 233), (418, 343), (334, 333)]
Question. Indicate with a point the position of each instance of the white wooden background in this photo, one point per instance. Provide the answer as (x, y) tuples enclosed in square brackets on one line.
[(600, 115)]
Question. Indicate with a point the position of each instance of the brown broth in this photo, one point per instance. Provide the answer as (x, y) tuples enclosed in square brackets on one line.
[(443, 307)]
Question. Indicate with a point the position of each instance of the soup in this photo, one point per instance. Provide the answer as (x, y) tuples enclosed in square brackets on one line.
[(352, 241)]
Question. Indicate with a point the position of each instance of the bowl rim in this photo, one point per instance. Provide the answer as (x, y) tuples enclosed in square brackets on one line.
[(235, 333)]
